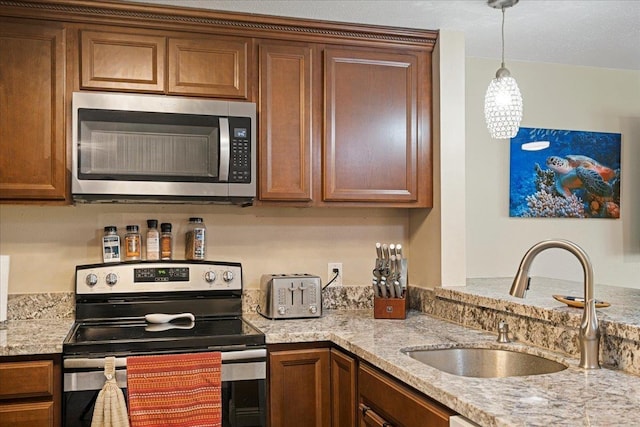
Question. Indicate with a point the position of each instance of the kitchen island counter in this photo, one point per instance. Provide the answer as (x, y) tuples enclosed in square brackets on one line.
[(35, 336), (567, 398)]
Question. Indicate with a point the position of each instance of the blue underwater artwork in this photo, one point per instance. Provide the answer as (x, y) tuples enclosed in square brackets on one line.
[(564, 174)]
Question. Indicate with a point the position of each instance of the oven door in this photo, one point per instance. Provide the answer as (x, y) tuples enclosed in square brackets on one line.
[(243, 388)]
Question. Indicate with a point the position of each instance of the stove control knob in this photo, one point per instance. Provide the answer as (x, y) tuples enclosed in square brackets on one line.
[(313, 309), (281, 311), (227, 276), (111, 279), (91, 280), (210, 276)]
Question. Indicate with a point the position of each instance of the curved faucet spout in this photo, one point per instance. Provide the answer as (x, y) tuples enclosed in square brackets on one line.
[(589, 332)]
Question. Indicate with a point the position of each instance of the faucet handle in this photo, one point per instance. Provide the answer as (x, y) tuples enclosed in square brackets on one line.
[(503, 332)]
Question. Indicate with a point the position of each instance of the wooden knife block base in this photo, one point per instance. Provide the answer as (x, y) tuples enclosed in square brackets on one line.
[(390, 308)]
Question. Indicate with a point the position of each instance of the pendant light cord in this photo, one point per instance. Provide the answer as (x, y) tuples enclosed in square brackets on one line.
[(502, 38)]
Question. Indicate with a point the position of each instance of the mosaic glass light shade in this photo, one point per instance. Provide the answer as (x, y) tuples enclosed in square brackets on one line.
[(503, 106)]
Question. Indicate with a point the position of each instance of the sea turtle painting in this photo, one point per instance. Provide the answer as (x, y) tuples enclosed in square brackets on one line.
[(556, 173), (578, 171)]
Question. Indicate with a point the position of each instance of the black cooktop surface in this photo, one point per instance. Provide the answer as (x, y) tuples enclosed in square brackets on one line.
[(138, 336)]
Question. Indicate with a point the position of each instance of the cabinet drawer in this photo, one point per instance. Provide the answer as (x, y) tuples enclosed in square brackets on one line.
[(26, 379), (397, 403), (37, 414)]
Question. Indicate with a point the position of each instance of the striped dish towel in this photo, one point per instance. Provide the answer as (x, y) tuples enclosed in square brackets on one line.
[(178, 390)]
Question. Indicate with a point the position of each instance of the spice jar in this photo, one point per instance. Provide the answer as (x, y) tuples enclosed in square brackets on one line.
[(166, 241), (132, 245), (153, 240), (111, 244), (195, 245)]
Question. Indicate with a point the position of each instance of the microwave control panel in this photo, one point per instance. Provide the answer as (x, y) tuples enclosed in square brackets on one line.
[(240, 156)]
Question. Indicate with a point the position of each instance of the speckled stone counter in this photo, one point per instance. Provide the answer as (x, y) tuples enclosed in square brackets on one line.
[(540, 319), (27, 337), (568, 398), (37, 323)]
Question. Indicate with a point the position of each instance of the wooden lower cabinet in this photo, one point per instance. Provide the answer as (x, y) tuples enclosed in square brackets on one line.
[(384, 401), (315, 385), (299, 388), (344, 389), (30, 391)]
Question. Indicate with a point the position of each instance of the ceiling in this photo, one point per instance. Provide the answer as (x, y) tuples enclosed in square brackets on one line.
[(596, 33)]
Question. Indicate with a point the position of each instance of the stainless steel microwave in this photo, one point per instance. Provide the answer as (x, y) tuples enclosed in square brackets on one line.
[(150, 148)]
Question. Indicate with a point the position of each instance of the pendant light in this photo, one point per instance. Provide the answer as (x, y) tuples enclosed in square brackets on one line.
[(503, 101)]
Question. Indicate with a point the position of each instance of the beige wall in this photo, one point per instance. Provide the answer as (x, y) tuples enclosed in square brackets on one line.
[(555, 97), (46, 243), (437, 236)]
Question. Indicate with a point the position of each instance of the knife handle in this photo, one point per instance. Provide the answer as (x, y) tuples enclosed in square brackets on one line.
[(385, 252), (379, 250), (399, 250)]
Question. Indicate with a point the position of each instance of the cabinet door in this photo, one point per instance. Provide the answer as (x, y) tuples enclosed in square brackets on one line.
[(299, 388), (32, 118), (214, 67), (344, 372), (285, 122), (371, 126), (122, 61)]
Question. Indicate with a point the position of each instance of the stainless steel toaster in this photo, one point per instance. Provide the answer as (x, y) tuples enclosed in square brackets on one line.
[(288, 296)]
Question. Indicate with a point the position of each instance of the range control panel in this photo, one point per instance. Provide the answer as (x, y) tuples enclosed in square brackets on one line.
[(147, 276)]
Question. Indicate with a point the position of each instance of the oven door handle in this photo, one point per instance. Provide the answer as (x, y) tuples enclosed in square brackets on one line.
[(84, 363)]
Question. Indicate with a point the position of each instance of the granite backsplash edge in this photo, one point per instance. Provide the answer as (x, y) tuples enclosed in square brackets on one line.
[(616, 352)]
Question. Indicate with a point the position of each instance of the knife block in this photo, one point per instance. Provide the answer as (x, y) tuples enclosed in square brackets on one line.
[(390, 308)]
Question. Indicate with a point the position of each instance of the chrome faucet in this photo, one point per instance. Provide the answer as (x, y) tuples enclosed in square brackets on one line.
[(589, 333)]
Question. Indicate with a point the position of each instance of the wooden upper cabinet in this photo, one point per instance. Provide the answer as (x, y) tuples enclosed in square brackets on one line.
[(149, 62), (122, 61), (285, 122), (208, 66), (371, 126), (32, 115)]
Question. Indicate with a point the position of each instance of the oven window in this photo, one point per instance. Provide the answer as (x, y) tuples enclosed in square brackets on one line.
[(243, 405)]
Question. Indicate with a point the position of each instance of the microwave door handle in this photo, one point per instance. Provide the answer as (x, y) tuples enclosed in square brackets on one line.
[(225, 149)]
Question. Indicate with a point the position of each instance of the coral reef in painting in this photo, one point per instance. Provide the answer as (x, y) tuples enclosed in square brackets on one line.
[(580, 176), (547, 203)]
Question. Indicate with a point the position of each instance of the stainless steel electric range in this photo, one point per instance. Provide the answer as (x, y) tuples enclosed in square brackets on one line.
[(143, 308)]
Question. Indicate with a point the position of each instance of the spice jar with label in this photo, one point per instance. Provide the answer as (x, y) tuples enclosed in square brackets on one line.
[(132, 246), (153, 240), (195, 245), (166, 241), (111, 244)]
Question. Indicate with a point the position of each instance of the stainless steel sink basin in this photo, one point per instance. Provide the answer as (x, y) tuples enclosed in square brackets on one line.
[(486, 362)]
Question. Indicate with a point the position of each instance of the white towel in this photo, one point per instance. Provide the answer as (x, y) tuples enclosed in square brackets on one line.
[(110, 409)]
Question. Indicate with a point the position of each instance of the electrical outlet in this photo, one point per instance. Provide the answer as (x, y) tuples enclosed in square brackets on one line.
[(330, 273)]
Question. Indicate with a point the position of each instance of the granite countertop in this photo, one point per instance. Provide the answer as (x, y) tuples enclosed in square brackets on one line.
[(35, 336), (567, 398), (621, 319)]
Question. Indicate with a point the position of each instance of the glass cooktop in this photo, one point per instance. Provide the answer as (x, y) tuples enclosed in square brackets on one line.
[(138, 336)]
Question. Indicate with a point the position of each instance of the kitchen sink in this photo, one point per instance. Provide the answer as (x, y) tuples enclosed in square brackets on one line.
[(485, 362)]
